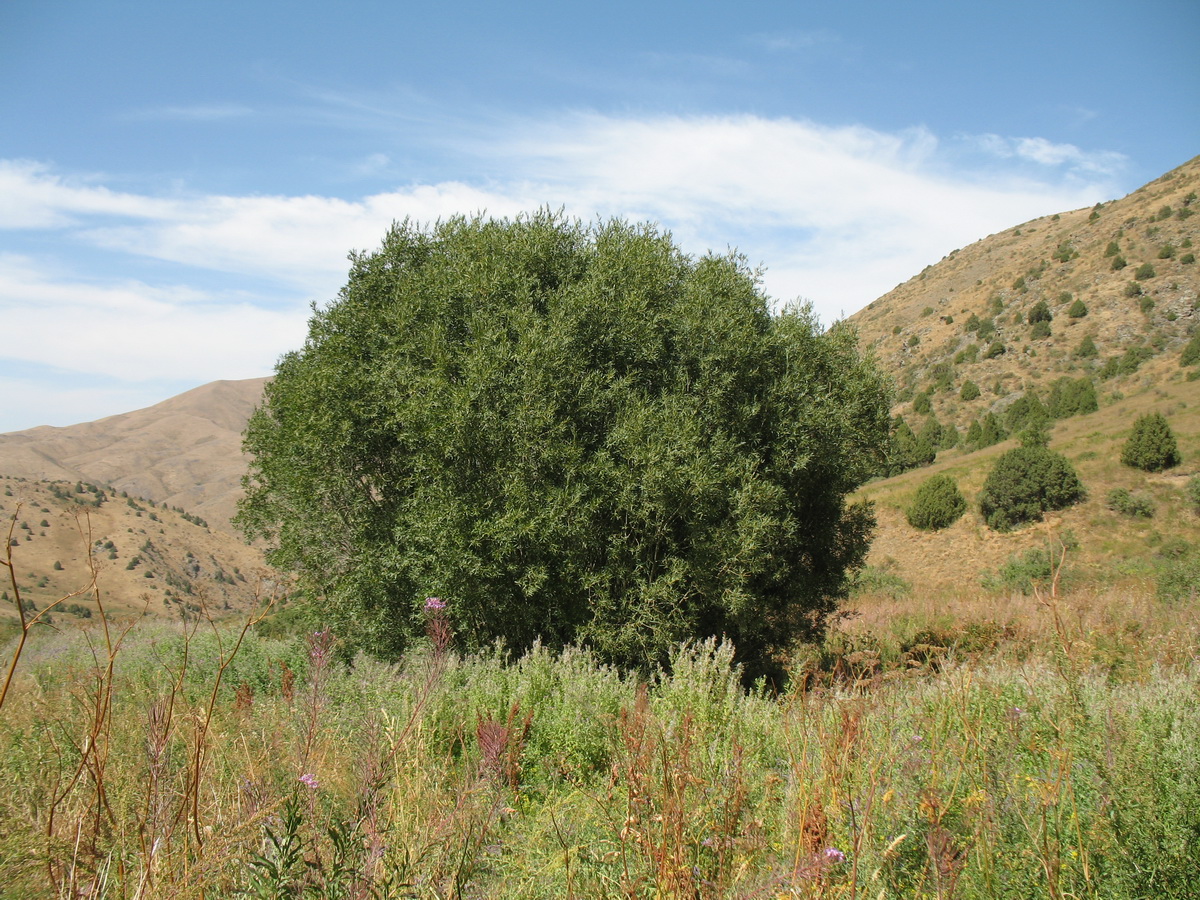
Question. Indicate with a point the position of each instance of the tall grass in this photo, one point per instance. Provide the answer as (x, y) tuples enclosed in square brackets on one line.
[(912, 761)]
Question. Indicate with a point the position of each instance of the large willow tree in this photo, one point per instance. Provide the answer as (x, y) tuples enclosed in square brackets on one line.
[(572, 433)]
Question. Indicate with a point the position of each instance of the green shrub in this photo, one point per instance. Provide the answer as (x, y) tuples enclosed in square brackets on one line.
[(922, 405), (937, 504), (1065, 252), (970, 391), (1119, 263), (1023, 572), (1025, 410), (1166, 251), (1072, 397), (1025, 483), (967, 355), (1191, 351), (985, 432), (1137, 506), (1192, 493), (1040, 330), (873, 580), (1040, 313), (1078, 310), (1178, 577), (909, 451), (1087, 348), (572, 433), (1144, 272), (1112, 249), (996, 348), (1151, 445), (1188, 258)]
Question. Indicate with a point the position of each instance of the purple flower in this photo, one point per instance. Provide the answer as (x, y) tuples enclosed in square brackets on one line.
[(309, 780), (435, 603), (834, 855)]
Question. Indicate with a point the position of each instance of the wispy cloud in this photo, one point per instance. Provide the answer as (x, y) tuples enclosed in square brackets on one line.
[(202, 112), (793, 41), (1048, 154), (134, 332)]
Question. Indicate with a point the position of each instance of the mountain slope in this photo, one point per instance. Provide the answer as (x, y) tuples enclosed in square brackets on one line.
[(185, 451), (926, 333)]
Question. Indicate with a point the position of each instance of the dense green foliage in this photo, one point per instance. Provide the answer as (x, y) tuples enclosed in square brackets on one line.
[(569, 433), (1191, 351), (1151, 445), (909, 449), (1025, 411), (937, 504), (1072, 397), (1025, 483)]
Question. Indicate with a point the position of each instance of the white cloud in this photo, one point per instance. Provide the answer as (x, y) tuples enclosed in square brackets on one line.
[(837, 215), (135, 332)]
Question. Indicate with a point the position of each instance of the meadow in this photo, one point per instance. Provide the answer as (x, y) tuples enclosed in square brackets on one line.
[(1022, 745)]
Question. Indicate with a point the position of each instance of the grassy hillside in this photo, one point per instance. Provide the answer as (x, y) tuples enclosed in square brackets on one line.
[(926, 334)]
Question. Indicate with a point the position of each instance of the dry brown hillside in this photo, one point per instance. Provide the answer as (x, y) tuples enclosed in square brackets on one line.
[(925, 337), (151, 557), (185, 451)]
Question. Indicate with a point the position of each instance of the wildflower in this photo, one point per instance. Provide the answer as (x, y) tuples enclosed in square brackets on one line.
[(309, 780), (834, 855), (435, 603)]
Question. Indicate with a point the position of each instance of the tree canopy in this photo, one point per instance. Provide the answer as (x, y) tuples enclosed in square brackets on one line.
[(569, 433)]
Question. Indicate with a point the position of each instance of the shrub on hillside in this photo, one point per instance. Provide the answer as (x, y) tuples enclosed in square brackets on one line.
[(1040, 313), (1039, 331), (1023, 573), (1179, 573), (937, 504), (1072, 397), (1192, 492), (1078, 310), (1151, 445), (1136, 506), (908, 450), (1191, 351), (1024, 411), (970, 391), (1025, 483), (1144, 271), (996, 348)]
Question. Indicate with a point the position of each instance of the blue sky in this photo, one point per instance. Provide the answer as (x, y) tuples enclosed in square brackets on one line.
[(179, 181)]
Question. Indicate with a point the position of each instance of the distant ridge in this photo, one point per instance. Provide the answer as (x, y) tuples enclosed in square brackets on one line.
[(185, 451)]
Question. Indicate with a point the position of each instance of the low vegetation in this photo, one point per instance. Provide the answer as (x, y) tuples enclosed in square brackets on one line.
[(1046, 752)]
